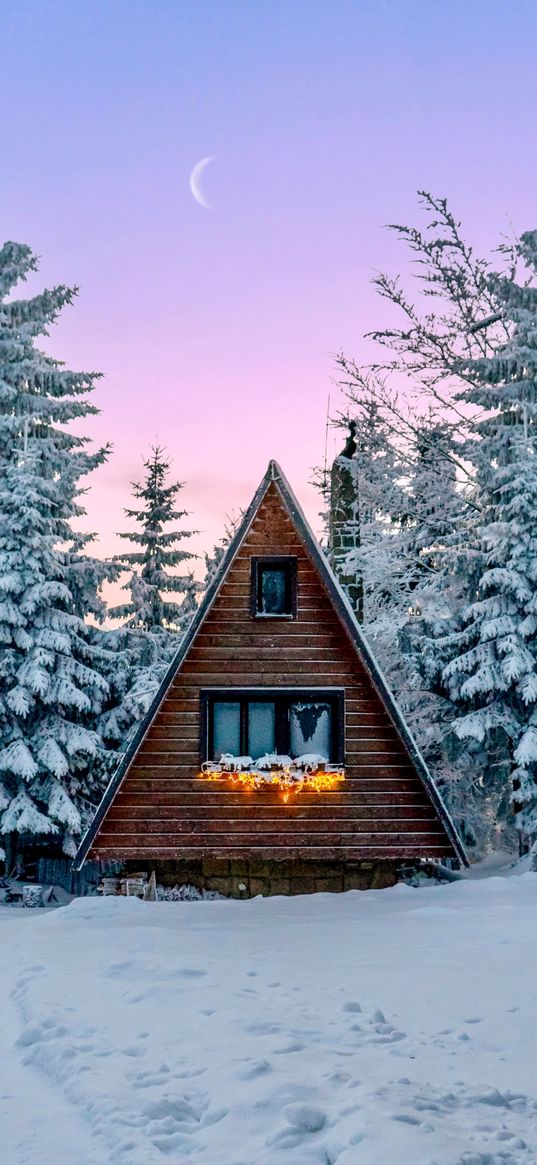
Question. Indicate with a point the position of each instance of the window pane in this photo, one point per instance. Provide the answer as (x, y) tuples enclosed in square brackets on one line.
[(261, 728), (310, 729), (226, 728), (273, 591)]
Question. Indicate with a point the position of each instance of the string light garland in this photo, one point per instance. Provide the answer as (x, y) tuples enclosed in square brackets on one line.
[(290, 779)]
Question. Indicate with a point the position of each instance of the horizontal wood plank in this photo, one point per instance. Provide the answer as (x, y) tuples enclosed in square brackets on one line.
[(282, 638), (287, 818), (403, 851), (304, 840), (217, 803), (301, 653)]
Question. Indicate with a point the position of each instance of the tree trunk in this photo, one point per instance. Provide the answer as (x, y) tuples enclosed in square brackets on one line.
[(11, 846)]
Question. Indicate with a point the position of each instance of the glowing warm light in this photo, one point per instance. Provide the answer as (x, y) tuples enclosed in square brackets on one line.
[(288, 779)]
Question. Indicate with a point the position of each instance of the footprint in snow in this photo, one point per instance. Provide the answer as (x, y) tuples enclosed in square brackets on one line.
[(172, 1120), (500, 1158), (140, 996), (113, 969), (262, 1029), (255, 1069), (406, 1118), (174, 1109), (151, 1079), (47, 1030), (188, 973)]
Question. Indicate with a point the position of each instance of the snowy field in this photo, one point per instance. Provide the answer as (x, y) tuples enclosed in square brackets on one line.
[(394, 1027)]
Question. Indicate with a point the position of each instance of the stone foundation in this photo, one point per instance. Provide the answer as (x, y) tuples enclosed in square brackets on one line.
[(247, 878)]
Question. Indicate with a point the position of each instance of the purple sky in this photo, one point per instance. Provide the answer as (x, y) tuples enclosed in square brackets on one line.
[(215, 330)]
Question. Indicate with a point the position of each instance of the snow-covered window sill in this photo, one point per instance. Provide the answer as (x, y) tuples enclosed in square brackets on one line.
[(290, 776)]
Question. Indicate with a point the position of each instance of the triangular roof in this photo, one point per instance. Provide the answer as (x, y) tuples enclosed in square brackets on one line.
[(348, 619)]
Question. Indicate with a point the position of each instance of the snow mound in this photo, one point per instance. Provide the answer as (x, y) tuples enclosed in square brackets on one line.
[(105, 906)]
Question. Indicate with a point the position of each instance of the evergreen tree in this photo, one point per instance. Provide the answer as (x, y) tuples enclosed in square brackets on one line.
[(454, 318), (161, 606), (136, 664), (212, 561), (155, 585), (490, 660), (51, 682)]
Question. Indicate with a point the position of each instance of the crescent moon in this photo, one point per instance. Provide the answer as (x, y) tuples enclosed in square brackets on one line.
[(195, 181)]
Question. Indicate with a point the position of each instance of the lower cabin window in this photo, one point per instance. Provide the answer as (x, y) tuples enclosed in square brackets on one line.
[(290, 723)]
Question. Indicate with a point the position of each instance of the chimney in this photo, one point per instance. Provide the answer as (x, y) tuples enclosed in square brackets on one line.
[(344, 528)]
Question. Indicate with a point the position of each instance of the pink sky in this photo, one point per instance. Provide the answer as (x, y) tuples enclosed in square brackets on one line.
[(215, 330)]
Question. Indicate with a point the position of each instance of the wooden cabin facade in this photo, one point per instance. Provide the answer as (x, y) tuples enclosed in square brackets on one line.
[(274, 665)]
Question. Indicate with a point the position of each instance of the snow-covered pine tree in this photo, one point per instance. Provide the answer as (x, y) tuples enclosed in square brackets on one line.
[(490, 661), (453, 317), (51, 686), (212, 561), (161, 605), (441, 519), (189, 603), (438, 516), (154, 585), (136, 663)]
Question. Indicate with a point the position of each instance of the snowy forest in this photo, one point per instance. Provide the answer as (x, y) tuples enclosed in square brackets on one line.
[(444, 544)]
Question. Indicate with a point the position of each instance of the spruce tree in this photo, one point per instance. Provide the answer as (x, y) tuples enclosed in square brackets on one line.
[(452, 317), (212, 561), (490, 660), (51, 682), (154, 585), (160, 608)]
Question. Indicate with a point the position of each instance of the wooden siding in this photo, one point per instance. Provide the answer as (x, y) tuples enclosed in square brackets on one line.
[(162, 810)]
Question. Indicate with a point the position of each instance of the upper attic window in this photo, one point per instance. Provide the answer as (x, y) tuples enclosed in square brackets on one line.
[(273, 588)]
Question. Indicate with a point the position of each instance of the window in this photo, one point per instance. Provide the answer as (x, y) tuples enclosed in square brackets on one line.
[(290, 723), (273, 588), (226, 727)]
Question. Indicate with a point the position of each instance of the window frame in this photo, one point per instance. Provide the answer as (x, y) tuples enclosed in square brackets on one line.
[(257, 563), (282, 698)]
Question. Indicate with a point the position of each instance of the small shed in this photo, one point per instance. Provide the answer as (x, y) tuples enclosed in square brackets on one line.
[(274, 758)]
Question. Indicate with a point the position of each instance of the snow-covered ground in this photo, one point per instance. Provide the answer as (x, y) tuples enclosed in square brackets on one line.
[(394, 1027)]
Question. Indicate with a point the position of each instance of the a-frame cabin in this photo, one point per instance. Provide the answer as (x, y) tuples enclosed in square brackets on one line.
[(274, 663)]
